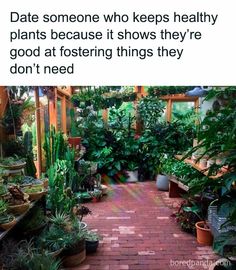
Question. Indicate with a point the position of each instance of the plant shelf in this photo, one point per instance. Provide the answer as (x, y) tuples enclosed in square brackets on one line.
[(198, 167)]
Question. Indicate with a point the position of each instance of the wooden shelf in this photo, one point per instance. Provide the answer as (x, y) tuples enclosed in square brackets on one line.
[(198, 167), (18, 219)]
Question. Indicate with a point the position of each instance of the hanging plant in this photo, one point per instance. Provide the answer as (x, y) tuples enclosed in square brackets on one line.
[(168, 90), (18, 103)]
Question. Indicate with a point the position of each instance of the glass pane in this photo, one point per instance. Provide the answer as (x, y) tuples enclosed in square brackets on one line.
[(180, 109), (59, 115), (68, 118)]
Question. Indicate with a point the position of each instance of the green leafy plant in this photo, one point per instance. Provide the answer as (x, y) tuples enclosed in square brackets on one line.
[(167, 90), (217, 137), (187, 216), (60, 219), (3, 207), (4, 216), (28, 257), (224, 244), (11, 161), (54, 147), (59, 197), (150, 110), (53, 239), (92, 236), (16, 107), (34, 220), (3, 189)]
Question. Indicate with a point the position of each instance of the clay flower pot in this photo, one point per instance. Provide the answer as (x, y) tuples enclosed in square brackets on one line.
[(204, 235)]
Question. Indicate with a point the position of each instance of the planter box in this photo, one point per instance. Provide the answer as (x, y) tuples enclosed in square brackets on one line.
[(176, 188)]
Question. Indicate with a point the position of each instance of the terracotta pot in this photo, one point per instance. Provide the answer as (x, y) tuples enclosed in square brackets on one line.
[(204, 235), (74, 142)]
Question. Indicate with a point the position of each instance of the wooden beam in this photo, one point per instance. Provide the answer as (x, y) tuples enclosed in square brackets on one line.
[(169, 110), (63, 113), (178, 97), (38, 132), (3, 100)]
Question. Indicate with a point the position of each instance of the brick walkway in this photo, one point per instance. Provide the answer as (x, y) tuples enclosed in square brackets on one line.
[(139, 233)]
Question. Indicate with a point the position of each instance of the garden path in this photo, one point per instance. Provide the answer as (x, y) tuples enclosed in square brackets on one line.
[(140, 233)]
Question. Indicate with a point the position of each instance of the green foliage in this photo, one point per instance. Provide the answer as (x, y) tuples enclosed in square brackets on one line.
[(76, 127), (217, 135), (53, 239), (54, 146), (3, 207), (32, 221), (17, 105), (11, 161), (102, 97), (60, 198), (30, 168), (28, 257), (167, 90), (60, 219), (92, 236), (222, 241), (187, 218), (150, 110), (3, 190)]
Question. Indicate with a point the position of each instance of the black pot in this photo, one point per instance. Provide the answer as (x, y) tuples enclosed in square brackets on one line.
[(91, 246)]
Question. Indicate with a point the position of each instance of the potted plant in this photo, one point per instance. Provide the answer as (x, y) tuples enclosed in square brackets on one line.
[(162, 179), (204, 235), (12, 163), (75, 252), (91, 241), (224, 245), (53, 240), (3, 191), (28, 257), (2, 174), (35, 192), (6, 220), (132, 172), (18, 201), (34, 223), (186, 219), (29, 181)]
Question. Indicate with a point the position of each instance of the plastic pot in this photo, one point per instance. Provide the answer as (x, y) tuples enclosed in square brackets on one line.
[(91, 246), (204, 235), (162, 182)]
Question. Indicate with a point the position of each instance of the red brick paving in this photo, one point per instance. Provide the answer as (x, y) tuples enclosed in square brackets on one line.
[(139, 233)]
